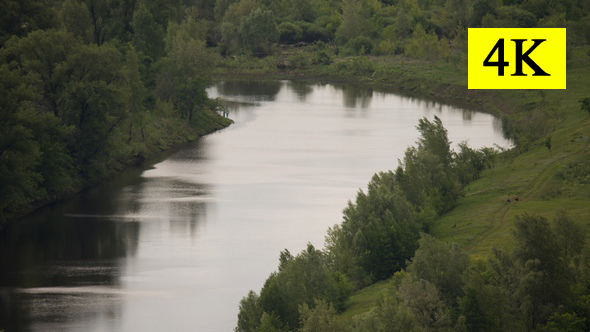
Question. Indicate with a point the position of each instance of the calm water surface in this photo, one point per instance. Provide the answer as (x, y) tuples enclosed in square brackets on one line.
[(174, 246)]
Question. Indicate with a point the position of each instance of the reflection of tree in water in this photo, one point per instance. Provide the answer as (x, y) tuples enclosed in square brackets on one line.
[(467, 115), (355, 96), (301, 89), (257, 90), (50, 260), (60, 252)]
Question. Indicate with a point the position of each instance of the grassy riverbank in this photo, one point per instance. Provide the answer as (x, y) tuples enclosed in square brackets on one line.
[(544, 179)]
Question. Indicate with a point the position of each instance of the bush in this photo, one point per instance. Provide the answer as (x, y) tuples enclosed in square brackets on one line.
[(290, 33), (360, 45), (299, 61)]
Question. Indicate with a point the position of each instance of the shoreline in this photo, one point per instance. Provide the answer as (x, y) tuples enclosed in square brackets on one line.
[(153, 154)]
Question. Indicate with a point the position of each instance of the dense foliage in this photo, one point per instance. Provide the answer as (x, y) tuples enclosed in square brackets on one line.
[(542, 285), (425, 29), (379, 233), (88, 87)]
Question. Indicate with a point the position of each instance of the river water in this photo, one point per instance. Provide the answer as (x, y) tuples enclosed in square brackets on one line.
[(173, 246)]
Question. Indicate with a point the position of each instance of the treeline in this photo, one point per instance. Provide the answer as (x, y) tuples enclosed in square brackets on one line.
[(379, 233), (425, 29), (88, 87)]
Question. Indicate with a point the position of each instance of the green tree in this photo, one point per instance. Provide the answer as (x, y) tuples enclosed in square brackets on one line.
[(250, 313), (299, 281), (19, 152), (95, 105), (441, 264), (271, 323), (148, 35), (258, 32), (585, 104), (322, 318), (425, 302), (75, 18), (20, 17), (185, 71), (356, 16), (43, 55)]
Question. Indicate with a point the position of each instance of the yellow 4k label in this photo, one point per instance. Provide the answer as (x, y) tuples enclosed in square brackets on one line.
[(516, 58)]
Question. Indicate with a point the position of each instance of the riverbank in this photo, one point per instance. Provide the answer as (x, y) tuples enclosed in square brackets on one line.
[(161, 134), (548, 168)]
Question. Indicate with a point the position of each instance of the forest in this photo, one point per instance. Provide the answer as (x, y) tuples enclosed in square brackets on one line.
[(90, 87)]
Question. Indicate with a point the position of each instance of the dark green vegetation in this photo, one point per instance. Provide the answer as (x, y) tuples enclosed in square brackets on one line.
[(487, 264), (89, 87)]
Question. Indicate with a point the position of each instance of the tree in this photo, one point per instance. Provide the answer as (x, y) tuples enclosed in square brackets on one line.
[(250, 313), (185, 71), (585, 104), (429, 309), (43, 55), (75, 18), (20, 17), (569, 235), (322, 318), (148, 35), (250, 28), (543, 264), (548, 144), (19, 152), (258, 32), (441, 264), (299, 281), (356, 16)]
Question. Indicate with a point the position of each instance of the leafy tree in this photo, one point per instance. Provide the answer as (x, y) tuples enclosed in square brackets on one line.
[(356, 16), (322, 318), (469, 163), (442, 265), (250, 313), (19, 152), (20, 17), (43, 56), (569, 236), (299, 281), (423, 299), (135, 95), (185, 71), (289, 33), (148, 35), (566, 322), (585, 104), (481, 8), (258, 32), (378, 234), (271, 323), (75, 18)]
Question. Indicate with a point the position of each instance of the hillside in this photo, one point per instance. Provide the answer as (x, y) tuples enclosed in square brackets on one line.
[(544, 180)]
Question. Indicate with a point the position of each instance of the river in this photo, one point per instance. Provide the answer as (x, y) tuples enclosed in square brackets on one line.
[(175, 244)]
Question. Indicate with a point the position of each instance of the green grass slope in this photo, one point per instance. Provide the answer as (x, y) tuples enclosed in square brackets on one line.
[(544, 180)]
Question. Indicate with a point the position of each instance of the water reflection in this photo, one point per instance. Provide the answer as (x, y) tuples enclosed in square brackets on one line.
[(174, 246), (254, 90), (48, 263), (301, 89), (355, 97)]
